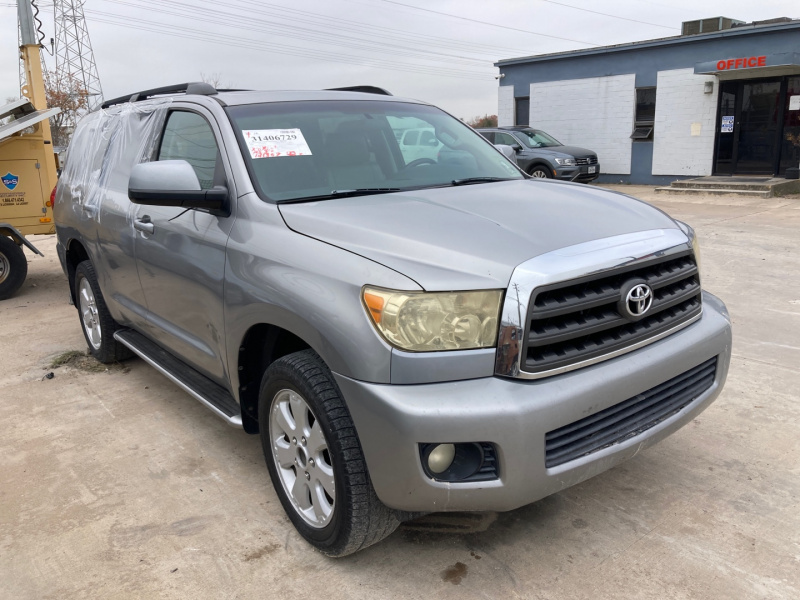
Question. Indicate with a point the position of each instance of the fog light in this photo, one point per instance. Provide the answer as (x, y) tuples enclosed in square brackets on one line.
[(441, 457)]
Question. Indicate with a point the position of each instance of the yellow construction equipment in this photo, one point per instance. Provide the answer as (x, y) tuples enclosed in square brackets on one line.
[(28, 164)]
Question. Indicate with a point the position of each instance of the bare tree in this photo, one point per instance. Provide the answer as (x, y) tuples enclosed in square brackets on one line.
[(214, 79), (66, 92)]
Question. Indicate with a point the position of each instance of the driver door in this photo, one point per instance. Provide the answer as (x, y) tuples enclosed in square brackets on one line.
[(180, 253)]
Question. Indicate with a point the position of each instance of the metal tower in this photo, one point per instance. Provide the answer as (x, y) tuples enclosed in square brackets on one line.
[(74, 55)]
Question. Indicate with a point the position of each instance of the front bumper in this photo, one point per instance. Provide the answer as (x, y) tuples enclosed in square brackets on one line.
[(578, 173), (515, 415)]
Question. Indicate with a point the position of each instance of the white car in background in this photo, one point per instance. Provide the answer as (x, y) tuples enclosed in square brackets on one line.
[(420, 143)]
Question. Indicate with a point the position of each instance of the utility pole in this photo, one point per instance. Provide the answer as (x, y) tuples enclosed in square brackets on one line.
[(29, 33), (31, 59), (74, 55)]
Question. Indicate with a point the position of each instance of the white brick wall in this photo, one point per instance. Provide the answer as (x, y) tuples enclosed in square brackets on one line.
[(595, 113), (683, 139), (505, 105)]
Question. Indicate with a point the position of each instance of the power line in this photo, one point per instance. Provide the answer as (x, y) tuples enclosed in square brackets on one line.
[(594, 12), (366, 28), (303, 33), (436, 12), (258, 45)]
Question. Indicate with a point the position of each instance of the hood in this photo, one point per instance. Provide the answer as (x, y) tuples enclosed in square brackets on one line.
[(472, 236), (569, 151)]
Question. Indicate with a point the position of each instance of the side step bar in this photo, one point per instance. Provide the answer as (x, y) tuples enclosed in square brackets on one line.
[(210, 394)]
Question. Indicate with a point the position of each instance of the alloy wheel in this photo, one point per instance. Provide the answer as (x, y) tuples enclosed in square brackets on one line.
[(302, 458), (89, 315)]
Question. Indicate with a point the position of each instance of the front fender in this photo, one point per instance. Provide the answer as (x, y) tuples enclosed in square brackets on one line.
[(310, 288)]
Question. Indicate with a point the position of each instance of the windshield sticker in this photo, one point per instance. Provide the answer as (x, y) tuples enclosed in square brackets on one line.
[(268, 143)]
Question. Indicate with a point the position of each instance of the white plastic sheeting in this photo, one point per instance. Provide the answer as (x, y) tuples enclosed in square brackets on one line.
[(106, 145)]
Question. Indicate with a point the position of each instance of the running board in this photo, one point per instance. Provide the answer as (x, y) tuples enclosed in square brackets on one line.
[(213, 396)]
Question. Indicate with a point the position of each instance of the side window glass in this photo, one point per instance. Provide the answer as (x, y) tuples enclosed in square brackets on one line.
[(489, 135), (504, 138), (411, 138), (189, 137), (426, 138)]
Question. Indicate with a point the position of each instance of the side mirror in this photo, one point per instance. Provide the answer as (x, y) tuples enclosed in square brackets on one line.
[(174, 183), (516, 147), (507, 151)]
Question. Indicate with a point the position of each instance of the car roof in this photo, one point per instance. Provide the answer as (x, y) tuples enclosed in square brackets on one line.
[(259, 97)]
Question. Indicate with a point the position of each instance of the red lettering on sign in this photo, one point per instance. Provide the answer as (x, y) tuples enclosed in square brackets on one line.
[(741, 63)]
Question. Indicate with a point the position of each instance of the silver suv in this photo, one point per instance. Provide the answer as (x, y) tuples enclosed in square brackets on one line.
[(407, 335)]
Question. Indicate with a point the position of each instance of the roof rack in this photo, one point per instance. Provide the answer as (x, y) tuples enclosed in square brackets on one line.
[(364, 89), (199, 88)]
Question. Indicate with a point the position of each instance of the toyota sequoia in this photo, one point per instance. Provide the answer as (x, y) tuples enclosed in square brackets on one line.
[(406, 333)]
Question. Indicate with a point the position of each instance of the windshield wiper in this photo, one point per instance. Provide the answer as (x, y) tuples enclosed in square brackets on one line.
[(469, 180), (342, 194)]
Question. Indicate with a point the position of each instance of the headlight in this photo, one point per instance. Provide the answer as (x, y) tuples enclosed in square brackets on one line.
[(692, 235), (434, 321), (696, 248), (569, 162)]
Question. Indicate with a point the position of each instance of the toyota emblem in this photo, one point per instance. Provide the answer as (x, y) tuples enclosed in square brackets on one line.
[(639, 300)]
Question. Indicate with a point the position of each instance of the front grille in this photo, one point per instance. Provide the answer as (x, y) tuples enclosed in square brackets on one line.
[(629, 418), (587, 160), (574, 321)]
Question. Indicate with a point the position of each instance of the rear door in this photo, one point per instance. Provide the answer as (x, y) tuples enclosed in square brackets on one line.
[(181, 263)]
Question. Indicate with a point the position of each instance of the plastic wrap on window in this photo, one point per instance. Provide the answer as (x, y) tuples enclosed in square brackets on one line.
[(105, 147)]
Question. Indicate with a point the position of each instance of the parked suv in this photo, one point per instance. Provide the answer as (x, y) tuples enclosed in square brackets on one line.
[(406, 335), (541, 155)]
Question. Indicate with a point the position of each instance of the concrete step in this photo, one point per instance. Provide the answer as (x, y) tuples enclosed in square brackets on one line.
[(725, 185), (713, 191), (760, 187)]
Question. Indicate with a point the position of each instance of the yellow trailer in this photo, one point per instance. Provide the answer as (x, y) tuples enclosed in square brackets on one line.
[(28, 164)]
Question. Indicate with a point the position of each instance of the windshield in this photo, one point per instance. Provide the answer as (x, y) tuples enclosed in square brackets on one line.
[(314, 149), (536, 138)]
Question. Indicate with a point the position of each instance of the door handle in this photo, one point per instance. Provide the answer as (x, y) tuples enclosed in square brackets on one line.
[(144, 224)]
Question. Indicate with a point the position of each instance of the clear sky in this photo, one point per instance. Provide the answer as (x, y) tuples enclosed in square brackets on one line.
[(440, 51)]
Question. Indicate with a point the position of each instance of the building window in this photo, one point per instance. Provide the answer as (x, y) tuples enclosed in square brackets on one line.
[(645, 114), (522, 111)]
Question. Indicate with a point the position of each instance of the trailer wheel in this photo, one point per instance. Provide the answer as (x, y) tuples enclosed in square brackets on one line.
[(13, 267)]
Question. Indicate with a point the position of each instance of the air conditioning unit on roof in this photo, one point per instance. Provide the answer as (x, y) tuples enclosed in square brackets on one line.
[(709, 25)]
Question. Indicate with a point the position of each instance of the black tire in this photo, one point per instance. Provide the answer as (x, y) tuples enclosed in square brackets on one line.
[(13, 267), (358, 518), (540, 172), (95, 318)]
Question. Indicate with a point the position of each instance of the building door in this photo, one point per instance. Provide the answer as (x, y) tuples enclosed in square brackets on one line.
[(749, 127), (522, 111)]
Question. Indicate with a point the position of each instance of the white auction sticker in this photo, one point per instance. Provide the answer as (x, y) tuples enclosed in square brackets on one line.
[(269, 143)]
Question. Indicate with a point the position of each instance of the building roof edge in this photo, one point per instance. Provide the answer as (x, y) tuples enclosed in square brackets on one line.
[(668, 41)]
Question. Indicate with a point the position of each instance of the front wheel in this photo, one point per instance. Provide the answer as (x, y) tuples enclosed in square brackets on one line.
[(13, 267), (539, 172), (315, 460)]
